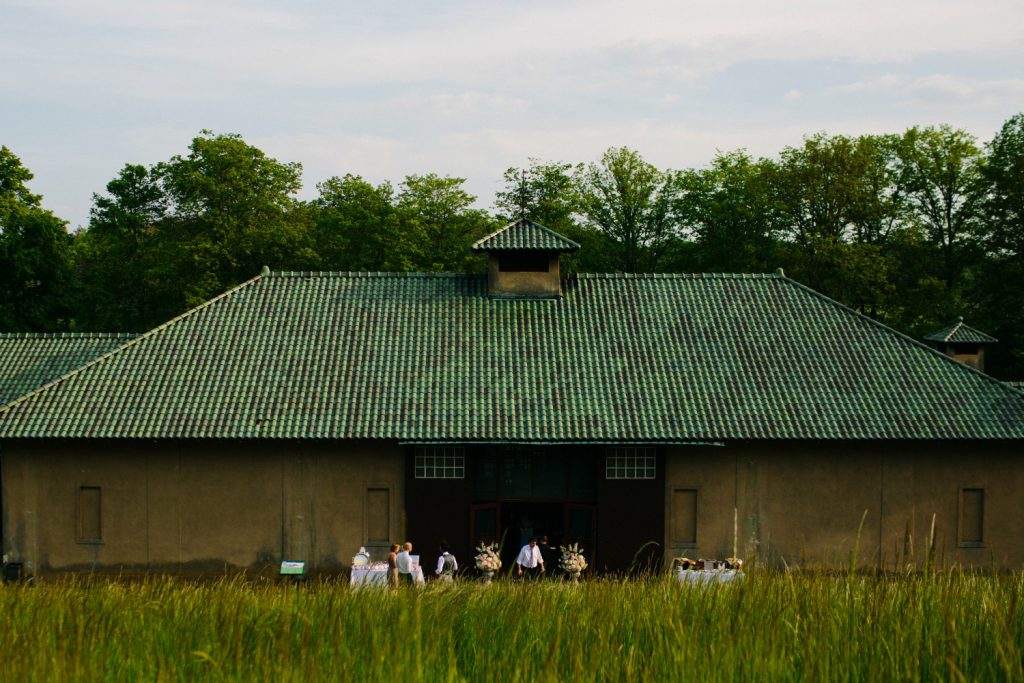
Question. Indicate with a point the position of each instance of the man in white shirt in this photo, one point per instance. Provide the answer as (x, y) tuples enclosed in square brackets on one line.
[(531, 560), (404, 563)]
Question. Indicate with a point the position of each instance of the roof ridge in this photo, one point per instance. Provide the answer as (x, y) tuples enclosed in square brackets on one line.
[(679, 276), (131, 343), (68, 335), (904, 337), (308, 274), (583, 275)]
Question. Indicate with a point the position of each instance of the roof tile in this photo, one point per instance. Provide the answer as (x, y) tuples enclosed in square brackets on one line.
[(432, 357), (29, 360)]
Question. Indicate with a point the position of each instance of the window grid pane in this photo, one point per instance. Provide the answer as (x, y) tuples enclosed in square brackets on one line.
[(630, 462), (440, 462)]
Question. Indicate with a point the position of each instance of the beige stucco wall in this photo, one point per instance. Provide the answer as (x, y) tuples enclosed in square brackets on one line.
[(802, 504), (206, 507), (524, 283)]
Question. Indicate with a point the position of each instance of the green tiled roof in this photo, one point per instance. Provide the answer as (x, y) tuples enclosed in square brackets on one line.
[(525, 234), (432, 357), (958, 333), (28, 361)]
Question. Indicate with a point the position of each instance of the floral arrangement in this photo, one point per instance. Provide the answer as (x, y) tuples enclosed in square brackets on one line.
[(572, 561), (487, 559), (685, 563)]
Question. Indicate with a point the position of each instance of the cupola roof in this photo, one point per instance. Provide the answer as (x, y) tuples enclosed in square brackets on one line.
[(525, 235), (959, 333)]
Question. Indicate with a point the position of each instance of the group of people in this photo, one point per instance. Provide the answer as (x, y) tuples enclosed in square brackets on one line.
[(531, 563), (401, 569)]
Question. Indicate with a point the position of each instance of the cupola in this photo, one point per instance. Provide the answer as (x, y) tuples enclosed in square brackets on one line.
[(522, 260), (962, 343)]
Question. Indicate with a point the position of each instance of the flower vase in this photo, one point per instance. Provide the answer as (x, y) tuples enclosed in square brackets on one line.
[(574, 577), (487, 576)]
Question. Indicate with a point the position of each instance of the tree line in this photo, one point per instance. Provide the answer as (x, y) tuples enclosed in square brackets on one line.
[(912, 229)]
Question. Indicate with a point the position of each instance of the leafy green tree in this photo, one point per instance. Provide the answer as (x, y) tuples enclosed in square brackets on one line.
[(116, 257), (731, 212), (544, 192), (842, 199), (1000, 287), (548, 193), (232, 210), (942, 169), (1003, 173), (356, 226), (842, 188), (34, 255), (13, 177), (629, 200), (135, 206), (437, 218)]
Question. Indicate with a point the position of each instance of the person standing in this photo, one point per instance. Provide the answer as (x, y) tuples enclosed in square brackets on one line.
[(447, 565), (531, 560), (548, 553), (404, 563), (393, 565)]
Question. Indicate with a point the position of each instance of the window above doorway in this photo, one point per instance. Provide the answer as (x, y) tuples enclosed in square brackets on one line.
[(440, 462), (630, 462)]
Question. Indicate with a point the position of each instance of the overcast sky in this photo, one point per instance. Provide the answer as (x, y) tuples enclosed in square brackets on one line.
[(385, 89)]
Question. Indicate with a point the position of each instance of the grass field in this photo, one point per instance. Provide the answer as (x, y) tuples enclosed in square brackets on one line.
[(809, 627)]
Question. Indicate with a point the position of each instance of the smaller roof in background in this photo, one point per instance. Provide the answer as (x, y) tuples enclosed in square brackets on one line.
[(959, 333), (28, 360), (524, 234)]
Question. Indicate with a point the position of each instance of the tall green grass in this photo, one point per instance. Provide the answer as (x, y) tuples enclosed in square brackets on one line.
[(810, 627)]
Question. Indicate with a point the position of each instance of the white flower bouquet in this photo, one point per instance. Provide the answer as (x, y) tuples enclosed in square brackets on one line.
[(487, 559), (572, 561)]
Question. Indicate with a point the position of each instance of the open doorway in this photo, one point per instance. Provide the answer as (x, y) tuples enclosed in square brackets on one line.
[(513, 524)]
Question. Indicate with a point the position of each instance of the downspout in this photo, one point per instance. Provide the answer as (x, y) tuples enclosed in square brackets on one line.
[(3, 515)]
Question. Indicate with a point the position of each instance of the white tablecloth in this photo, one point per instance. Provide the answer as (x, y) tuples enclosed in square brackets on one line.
[(708, 575), (377, 576)]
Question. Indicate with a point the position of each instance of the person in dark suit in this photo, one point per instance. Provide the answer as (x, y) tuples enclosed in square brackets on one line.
[(549, 553)]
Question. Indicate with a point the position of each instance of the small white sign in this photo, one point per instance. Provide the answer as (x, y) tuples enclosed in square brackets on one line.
[(288, 567)]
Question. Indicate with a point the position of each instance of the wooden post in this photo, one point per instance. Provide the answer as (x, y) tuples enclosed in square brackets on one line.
[(735, 530)]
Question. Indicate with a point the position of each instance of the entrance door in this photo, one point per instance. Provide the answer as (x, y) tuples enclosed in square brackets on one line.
[(523, 520), (581, 527), (484, 524)]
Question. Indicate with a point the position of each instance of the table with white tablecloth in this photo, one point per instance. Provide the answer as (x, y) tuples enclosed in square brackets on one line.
[(704, 576), (377, 575)]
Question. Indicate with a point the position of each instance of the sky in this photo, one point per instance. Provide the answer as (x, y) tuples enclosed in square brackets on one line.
[(386, 89)]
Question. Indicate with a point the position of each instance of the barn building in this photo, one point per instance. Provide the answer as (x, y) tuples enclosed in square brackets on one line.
[(303, 415)]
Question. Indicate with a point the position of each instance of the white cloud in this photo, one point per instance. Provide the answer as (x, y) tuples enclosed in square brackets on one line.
[(459, 104), (548, 45), (950, 88), (938, 88), (468, 88), (884, 82), (163, 15)]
